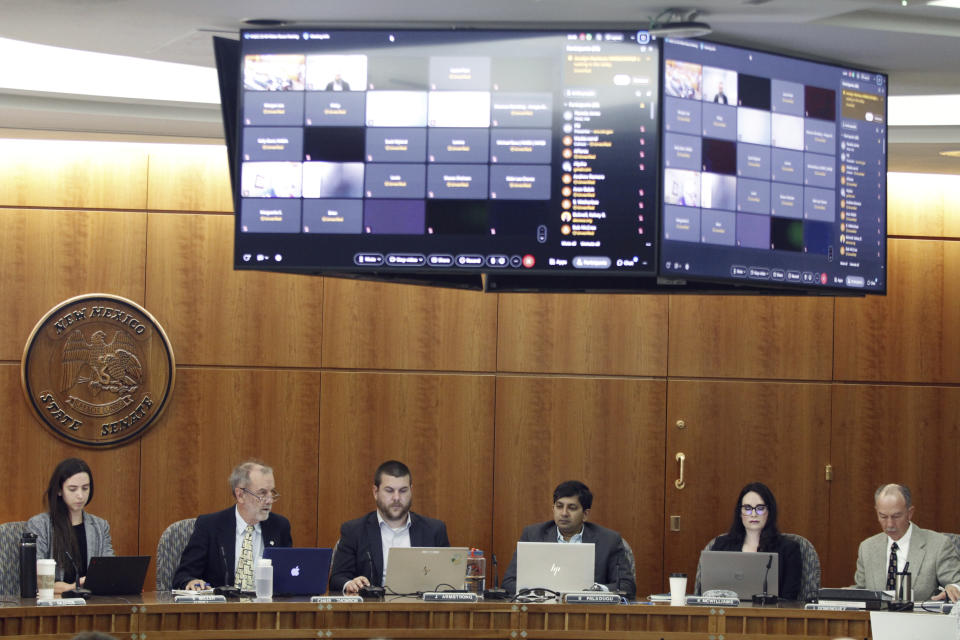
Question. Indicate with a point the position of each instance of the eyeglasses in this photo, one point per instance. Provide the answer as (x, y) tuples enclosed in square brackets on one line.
[(263, 495), (747, 509)]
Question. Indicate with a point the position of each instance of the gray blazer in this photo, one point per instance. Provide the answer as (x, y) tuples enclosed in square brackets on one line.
[(933, 562), (97, 530)]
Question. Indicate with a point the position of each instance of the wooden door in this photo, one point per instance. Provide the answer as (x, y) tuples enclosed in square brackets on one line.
[(734, 433)]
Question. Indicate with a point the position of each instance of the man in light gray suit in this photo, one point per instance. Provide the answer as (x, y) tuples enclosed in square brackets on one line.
[(934, 561), (572, 500)]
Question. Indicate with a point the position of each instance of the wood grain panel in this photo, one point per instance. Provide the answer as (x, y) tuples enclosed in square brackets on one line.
[(890, 433), (218, 418), (588, 334), (913, 333), (740, 432), (441, 426), (32, 452), (189, 178), (606, 432), (49, 256), (751, 337), (215, 315), (60, 173), (392, 326), (921, 204)]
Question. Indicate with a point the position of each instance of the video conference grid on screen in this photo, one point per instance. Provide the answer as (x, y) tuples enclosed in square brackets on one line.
[(448, 150), (774, 169)]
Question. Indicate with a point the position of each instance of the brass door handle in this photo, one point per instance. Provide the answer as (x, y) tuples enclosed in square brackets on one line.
[(679, 482)]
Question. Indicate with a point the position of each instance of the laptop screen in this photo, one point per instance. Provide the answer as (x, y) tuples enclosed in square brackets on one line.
[(558, 567), (743, 573)]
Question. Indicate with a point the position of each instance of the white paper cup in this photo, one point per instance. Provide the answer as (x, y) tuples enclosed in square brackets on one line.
[(46, 574), (678, 589)]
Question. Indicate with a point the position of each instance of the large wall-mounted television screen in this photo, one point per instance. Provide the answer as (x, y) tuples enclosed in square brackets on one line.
[(774, 170), (448, 153)]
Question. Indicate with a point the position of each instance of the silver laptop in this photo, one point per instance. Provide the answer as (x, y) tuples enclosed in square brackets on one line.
[(412, 570), (740, 572), (558, 567)]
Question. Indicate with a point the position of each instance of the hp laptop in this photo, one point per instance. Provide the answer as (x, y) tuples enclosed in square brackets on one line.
[(558, 567), (412, 570), (299, 571), (116, 575), (740, 572)]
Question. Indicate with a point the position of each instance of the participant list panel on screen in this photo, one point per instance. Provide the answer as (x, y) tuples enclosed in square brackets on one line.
[(517, 150)]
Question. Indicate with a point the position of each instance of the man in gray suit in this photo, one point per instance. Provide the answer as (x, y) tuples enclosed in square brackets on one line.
[(572, 500), (934, 561)]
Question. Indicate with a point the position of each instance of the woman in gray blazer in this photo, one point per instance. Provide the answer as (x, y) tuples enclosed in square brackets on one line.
[(67, 533)]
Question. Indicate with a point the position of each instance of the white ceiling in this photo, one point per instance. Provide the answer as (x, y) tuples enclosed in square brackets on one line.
[(918, 45)]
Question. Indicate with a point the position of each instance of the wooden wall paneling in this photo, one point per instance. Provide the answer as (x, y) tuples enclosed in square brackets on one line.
[(49, 256), (59, 173), (606, 432), (440, 426), (740, 432), (925, 205), (217, 316), (913, 333), (586, 334), (371, 325), (189, 178), (751, 337), (218, 418), (31, 452), (890, 433)]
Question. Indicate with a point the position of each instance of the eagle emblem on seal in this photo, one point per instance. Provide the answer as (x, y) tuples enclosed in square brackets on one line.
[(100, 365)]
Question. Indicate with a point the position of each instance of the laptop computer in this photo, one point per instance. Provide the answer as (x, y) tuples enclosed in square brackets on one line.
[(299, 571), (116, 575), (558, 567), (740, 572), (413, 570)]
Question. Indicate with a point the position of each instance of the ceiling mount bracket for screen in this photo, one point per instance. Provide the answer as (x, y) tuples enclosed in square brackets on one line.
[(679, 23)]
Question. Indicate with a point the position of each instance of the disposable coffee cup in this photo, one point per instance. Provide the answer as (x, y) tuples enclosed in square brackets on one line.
[(678, 589), (46, 574)]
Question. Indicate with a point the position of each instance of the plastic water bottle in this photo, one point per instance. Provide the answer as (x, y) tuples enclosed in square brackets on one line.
[(264, 578), (476, 577)]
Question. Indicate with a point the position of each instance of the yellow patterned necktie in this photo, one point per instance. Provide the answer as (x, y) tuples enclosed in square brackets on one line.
[(244, 580)]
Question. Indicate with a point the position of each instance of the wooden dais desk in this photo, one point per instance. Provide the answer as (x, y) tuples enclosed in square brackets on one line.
[(156, 616)]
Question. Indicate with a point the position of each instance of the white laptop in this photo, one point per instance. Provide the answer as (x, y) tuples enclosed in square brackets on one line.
[(558, 567), (413, 570), (740, 572)]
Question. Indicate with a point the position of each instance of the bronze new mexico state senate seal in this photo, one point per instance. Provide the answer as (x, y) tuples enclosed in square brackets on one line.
[(98, 370)]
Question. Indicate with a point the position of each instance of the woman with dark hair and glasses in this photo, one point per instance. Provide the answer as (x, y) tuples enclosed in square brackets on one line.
[(67, 533), (754, 528)]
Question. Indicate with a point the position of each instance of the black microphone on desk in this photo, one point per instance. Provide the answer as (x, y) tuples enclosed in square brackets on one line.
[(371, 592), (765, 598), (496, 593), (226, 590), (78, 591)]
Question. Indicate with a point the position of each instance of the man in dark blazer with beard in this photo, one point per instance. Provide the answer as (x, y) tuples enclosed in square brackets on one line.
[(214, 554), (361, 555), (572, 501)]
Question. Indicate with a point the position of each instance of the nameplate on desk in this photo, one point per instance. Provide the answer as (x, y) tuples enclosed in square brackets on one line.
[(336, 599), (449, 596), (61, 602), (704, 601), (591, 597), (837, 605), (200, 598)]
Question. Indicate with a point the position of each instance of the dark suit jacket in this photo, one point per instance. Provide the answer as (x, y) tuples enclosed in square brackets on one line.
[(360, 550), (790, 562), (611, 566), (209, 554)]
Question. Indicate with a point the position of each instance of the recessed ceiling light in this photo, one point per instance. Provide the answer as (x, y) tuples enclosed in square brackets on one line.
[(951, 154), (924, 111), (952, 4)]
